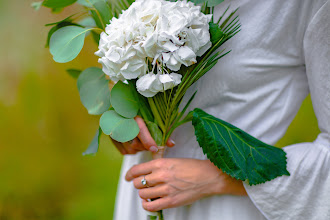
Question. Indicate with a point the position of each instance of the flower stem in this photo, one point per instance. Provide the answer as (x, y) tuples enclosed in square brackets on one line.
[(160, 215), (155, 112)]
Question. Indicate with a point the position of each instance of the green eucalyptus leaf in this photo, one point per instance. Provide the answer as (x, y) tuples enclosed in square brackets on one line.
[(87, 3), (67, 19), (119, 128), (97, 19), (215, 32), (57, 3), (210, 3), (96, 37), (105, 12), (155, 132), (94, 90), (59, 25), (66, 43), (87, 22), (36, 5), (123, 100), (94, 145), (57, 10), (101, 13), (89, 75), (237, 153), (74, 73)]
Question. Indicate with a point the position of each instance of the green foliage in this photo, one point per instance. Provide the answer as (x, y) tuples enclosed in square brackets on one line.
[(87, 3), (102, 15), (236, 152), (215, 32), (96, 37), (87, 22), (74, 73), (152, 217), (155, 132), (210, 3), (57, 3), (94, 145), (94, 90), (67, 42), (119, 128), (60, 24), (36, 5), (124, 100)]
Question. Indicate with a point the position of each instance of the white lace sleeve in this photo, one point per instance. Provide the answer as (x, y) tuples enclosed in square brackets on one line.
[(306, 193)]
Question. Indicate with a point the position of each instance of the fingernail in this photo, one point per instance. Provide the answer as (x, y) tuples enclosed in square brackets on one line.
[(172, 141), (153, 149)]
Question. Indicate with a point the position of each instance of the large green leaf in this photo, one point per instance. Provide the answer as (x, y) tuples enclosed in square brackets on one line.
[(66, 43), (94, 145), (123, 100), (94, 90), (119, 128), (57, 3), (236, 152)]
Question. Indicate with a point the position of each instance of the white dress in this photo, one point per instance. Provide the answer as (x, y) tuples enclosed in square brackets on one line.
[(281, 55)]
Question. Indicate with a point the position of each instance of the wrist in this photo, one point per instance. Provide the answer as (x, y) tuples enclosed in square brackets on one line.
[(225, 184)]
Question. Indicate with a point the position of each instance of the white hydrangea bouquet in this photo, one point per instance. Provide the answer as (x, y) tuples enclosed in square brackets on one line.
[(151, 52)]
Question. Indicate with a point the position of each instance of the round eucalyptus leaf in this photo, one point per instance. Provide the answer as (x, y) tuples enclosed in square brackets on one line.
[(119, 128), (57, 3), (66, 43), (88, 3), (89, 74), (123, 100), (94, 91), (94, 145), (87, 22)]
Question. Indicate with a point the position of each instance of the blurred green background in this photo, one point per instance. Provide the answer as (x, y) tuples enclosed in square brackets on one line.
[(44, 128)]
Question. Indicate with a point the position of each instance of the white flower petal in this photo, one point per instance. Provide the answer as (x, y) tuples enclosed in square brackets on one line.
[(170, 80), (148, 85), (185, 53), (173, 64)]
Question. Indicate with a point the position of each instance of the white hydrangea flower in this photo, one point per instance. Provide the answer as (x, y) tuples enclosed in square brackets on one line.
[(168, 33), (169, 81), (120, 47), (182, 34), (150, 84)]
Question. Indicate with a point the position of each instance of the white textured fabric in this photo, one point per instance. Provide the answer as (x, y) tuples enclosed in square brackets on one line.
[(281, 54)]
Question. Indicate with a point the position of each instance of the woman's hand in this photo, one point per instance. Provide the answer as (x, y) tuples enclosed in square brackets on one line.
[(173, 182), (142, 142)]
